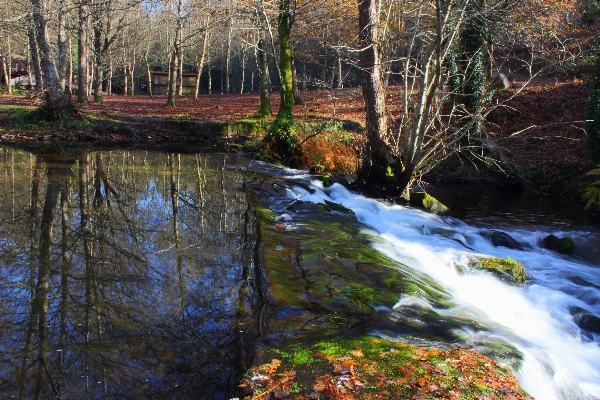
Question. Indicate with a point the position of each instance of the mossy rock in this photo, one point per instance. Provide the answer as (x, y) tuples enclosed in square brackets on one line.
[(346, 366), (506, 269), (564, 245), (427, 202)]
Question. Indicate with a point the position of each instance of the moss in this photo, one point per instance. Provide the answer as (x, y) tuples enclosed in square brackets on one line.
[(564, 245), (427, 202), (505, 268), (369, 367)]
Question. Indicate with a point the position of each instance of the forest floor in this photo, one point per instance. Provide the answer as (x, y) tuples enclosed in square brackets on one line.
[(539, 135)]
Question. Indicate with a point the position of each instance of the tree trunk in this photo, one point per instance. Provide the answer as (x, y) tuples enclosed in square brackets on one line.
[(35, 58), (54, 103), (175, 56), (201, 64), (99, 74), (90, 78), (228, 59), (209, 84), (180, 75), (69, 78), (297, 97), (125, 80), (62, 46), (286, 108), (5, 75), (132, 75), (380, 168), (340, 77), (243, 72), (6, 66), (9, 62), (82, 72), (282, 139), (29, 63), (172, 81), (110, 74), (264, 81), (149, 78)]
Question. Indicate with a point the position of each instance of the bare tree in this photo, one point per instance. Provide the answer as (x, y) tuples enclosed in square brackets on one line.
[(55, 102)]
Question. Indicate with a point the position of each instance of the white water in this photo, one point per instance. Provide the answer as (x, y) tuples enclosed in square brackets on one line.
[(558, 362)]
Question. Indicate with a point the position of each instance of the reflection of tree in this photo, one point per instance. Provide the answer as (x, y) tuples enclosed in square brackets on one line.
[(141, 276)]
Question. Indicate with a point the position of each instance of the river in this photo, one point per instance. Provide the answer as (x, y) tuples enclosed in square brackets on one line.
[(132, 274)]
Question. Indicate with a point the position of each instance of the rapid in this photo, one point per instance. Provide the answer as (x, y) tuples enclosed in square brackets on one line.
[(560, 360)]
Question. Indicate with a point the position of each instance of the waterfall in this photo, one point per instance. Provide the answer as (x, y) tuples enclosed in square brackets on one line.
[(559, 360)]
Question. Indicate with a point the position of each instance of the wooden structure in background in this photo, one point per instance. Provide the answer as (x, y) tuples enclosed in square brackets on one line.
[(160, 82)]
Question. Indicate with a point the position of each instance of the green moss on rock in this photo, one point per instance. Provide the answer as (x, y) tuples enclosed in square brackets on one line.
[(427, 202), (342, 366), (505, 268), (564, 245)]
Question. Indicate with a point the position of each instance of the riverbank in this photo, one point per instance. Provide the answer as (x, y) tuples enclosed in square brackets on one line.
[(537, 139)]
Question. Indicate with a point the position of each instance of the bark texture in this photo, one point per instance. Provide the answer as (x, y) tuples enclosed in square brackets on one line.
[(380, 167)]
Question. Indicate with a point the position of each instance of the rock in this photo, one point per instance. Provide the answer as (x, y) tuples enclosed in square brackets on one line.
[(331, 206), (427, 202), (587, 321), (499, 238), (341, 179), (564, 245), (506, 269)]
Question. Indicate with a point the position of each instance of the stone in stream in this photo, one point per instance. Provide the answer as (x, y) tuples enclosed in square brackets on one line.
[(506, 269), (428, 203), (564, 245), (499, 238)]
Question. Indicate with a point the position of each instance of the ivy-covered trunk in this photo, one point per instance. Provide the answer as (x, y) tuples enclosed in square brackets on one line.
[(282, 138), (381, 168), (285, 115)]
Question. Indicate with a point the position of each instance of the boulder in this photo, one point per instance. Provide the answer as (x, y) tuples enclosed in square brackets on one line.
[(499, 238), (564, 245), (341, 179)]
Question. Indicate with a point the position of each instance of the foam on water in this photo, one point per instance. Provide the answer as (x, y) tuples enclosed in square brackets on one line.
[(559, 363)]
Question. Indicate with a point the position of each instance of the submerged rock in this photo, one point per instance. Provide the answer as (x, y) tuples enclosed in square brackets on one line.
[(564, 245), (508, 270), (427, 202), (502, 239)]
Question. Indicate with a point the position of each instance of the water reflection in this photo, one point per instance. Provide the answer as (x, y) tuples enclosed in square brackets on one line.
[(124, 275)]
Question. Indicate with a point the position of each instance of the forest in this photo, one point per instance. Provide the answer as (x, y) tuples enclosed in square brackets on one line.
[(451, 62)]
